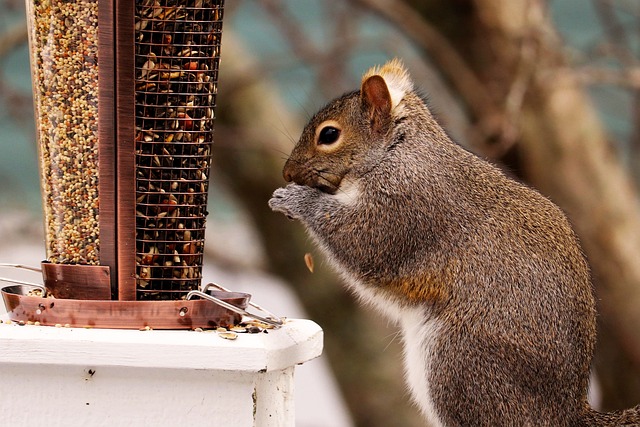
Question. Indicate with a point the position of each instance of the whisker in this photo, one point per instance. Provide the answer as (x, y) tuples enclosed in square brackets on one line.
[(301, 106), (393, 336), (283, 130)]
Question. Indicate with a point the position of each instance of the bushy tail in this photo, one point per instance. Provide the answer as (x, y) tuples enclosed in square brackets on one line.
[(625, 418)]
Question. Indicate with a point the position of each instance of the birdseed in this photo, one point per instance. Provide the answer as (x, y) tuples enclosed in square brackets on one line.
[(176, 55), (64, 64)]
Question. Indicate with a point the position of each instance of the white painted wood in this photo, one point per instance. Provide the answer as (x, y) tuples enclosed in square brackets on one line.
[(94, 377), (274, 404), (298, 341)]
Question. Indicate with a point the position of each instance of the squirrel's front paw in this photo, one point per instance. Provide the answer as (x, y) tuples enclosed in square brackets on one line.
[(289, 200), (278, 202)]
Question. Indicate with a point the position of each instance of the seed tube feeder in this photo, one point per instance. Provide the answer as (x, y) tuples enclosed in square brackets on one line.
[(177, 52), (125, 95)]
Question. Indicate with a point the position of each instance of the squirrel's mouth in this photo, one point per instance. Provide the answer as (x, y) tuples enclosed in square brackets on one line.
[(326, 188), (319, 183), (326, 183), (322, 179)]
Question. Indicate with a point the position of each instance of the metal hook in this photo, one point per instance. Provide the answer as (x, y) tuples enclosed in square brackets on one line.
[(268, 320), (22, 282), (252, 304), (21, 266)]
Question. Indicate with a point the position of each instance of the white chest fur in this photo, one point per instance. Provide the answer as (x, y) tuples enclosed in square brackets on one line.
[(419, 335), (348, 193)]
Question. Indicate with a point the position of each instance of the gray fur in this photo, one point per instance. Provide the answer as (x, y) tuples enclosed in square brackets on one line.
[(495, 263)]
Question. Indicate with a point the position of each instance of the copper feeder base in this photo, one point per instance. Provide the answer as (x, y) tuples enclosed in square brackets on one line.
[(181, 314)]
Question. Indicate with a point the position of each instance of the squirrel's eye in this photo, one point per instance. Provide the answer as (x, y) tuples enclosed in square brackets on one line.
[(328, 135)]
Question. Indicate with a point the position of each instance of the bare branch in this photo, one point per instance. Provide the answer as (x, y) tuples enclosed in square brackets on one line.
[(628, 77), (440, 50), (331, 61), (615, 31)]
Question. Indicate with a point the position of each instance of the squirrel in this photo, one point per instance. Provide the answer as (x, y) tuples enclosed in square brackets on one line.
[(484, 276)]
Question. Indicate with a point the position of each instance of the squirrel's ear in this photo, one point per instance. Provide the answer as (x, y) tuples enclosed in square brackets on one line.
[(376, 100), (395, 79)]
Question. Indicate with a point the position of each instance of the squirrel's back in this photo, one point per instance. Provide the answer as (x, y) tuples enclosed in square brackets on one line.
[(516, 313)]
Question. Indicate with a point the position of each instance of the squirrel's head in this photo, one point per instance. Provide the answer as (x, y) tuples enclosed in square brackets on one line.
[(349, 129)]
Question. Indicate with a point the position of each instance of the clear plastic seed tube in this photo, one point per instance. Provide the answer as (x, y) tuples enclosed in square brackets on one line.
[(64, 65)]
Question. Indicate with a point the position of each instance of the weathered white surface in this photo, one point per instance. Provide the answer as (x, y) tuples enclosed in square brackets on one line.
[(67, 395), (94, 377), (297, 342)]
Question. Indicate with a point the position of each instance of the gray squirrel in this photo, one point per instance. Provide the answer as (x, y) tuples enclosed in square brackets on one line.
[(484, 276)]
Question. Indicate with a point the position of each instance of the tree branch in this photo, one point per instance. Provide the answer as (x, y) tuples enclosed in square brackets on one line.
[(481, 105)]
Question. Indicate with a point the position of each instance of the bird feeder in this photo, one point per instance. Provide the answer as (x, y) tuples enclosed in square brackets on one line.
[(125, 96)]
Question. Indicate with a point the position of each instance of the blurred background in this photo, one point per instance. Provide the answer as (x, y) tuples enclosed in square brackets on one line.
[(549, 90)]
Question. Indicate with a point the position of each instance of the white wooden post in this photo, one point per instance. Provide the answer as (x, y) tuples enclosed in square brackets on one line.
[(97, 377)]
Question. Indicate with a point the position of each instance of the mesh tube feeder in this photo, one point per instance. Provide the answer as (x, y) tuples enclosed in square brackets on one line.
[(125, 96)]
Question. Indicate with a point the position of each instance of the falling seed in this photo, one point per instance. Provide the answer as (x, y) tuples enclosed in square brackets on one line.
[(308, 260)]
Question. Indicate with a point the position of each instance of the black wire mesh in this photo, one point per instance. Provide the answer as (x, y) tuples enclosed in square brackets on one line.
[(177, 51)]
